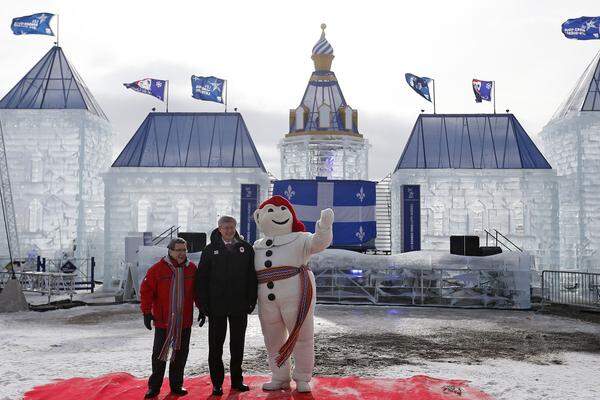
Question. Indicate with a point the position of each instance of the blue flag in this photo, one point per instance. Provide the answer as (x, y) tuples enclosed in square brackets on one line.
[(153, 87), (419, 85), (482, 90), (352, 201), (35, 24), (582, 28), (207, 88)]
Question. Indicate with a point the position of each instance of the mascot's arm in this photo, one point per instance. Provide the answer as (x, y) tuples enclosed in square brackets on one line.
[(323, 233)]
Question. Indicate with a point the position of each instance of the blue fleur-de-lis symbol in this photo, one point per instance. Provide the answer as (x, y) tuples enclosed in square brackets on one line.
[(361, 194), (360, 234), (289, 192)]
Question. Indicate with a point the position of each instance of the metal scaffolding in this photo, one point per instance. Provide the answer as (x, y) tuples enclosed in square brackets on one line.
[(8, 209)]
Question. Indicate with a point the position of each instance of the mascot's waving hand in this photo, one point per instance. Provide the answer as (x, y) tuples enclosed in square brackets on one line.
[(286, 290)]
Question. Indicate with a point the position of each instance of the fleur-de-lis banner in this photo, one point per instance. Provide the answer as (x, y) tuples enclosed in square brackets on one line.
[(353, 203)]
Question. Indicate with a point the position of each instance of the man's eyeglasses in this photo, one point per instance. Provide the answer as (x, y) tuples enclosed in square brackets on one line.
[(179, 250)]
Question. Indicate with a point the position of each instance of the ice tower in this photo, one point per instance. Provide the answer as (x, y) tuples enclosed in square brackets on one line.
[(571, 141), (323, 138), (58, 142), (479, 172), (179, 170)]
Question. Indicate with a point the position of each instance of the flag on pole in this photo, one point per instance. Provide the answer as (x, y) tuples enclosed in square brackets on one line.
[(482, 90), (208, 88), (582, 28), (419, 85), (153, 87), (35, 24)]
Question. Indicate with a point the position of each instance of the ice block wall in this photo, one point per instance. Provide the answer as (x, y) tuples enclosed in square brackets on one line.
[(521, 204), (572, 146), (153, 199), (332, 156), (55, 161)]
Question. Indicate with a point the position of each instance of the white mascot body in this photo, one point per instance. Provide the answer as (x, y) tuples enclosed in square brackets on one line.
[(286, 290)]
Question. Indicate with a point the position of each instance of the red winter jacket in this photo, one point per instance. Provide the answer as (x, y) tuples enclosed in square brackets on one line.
[(155, 294)]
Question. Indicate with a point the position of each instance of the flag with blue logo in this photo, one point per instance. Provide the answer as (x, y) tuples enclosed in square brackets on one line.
[(582, 28), (419, 85), (482, 90), (35, 24), (153, 87), (208, 88), (353, 203)]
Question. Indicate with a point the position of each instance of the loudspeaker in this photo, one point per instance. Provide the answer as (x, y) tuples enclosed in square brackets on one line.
[(464, 245), (196, 241), (489, 250)]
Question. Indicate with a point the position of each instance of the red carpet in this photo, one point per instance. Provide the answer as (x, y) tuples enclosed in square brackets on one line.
[(123, 386)]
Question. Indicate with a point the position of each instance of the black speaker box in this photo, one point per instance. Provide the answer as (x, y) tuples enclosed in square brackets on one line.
[(464, 245), (196, 241), (489, 250)]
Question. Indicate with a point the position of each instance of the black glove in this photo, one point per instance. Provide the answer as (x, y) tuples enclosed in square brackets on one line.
[(251, 308), (148, 321), (204, 310), (201, 319)]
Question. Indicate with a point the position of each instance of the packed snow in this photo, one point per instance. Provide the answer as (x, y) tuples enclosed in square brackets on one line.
[(508, 354)]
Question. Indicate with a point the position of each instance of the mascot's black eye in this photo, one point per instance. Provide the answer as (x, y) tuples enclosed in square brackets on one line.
[(270, 210), (282, 207)]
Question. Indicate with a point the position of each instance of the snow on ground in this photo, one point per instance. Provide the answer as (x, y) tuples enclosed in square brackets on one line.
[(508, 354)]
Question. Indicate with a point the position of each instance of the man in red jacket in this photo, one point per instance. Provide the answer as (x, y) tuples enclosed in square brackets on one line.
[(167, 297)]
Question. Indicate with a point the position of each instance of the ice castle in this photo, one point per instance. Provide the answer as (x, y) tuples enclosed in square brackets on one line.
[(572, 144), (179, 170), (323, 138), (479, 172), (58, 142)]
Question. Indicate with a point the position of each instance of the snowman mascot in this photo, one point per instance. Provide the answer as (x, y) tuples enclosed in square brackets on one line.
[(286, 289)]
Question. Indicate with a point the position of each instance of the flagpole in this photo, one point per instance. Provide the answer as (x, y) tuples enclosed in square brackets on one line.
[(226, 84), (433, 96), (57, 30), (494, 94), (168, 84)]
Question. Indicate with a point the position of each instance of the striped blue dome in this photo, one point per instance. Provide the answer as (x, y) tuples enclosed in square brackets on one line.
[(322, 46)]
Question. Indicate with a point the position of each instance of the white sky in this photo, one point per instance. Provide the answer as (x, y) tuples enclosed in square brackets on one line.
[(263, 49)]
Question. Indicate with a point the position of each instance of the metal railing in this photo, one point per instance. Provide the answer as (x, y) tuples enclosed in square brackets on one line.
[(167, 233), (497, 237), (571, 287), (48, 283), (85, 270)]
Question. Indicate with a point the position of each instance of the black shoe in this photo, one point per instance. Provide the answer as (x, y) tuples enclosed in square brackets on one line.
[(179, 392), (217, 391), (241, 387), (151, 393)]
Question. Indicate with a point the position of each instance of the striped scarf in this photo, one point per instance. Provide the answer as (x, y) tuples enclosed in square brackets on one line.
[(306, 294), (173, 339)]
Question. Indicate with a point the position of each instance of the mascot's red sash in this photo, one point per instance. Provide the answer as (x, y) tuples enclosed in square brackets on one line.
[(306, 294)]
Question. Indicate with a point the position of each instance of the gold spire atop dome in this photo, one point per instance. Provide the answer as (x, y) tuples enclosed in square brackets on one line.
[(322, 54)]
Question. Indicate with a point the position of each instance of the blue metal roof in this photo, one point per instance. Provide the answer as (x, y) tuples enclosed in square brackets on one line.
[(214, 140), (470, 141), (52, 83)]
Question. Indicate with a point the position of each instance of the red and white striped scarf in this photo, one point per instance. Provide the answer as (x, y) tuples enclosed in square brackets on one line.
[(175, 326), (306, 294)]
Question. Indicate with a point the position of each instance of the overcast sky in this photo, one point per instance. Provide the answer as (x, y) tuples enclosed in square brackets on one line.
[(263, 49)]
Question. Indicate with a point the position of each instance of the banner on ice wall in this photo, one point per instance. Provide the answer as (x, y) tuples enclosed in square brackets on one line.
[(411, 218), (353, 203), (249, 198)]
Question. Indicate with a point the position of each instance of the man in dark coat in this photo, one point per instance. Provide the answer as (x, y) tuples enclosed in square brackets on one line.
[(167, 298), (226, 290)]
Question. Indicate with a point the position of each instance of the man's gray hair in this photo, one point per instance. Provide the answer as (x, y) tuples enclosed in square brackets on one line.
[(175, 241), (226, 219)]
